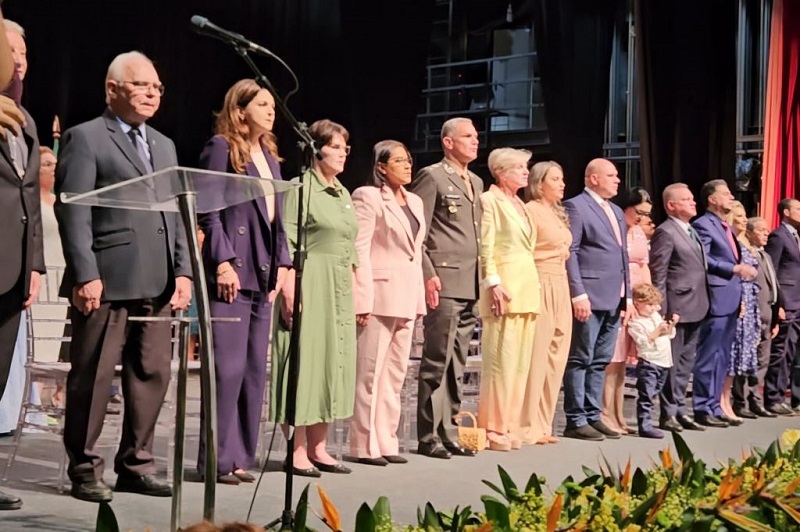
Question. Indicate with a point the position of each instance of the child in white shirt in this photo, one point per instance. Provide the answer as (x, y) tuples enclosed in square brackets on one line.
[(652, 336)]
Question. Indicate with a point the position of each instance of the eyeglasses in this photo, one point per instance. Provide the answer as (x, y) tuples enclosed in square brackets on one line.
[(402, 160), (644, 213), (144, 86), (339, 147)]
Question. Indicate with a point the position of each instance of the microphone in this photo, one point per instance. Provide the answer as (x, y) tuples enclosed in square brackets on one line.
[(203, 26)]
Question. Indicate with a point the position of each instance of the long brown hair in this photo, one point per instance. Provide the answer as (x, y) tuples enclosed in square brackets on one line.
[(533, 192), (234, 129)]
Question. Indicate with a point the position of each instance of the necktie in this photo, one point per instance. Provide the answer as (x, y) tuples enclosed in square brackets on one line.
[(138, 142), (468, 184), (695, 239), (615, 226), (613, 221), (731, 241)]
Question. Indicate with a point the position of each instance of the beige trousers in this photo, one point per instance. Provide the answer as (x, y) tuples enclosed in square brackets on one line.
[(549, 354)]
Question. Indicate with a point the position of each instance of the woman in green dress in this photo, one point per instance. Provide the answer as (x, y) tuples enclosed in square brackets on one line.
[(327, 359)]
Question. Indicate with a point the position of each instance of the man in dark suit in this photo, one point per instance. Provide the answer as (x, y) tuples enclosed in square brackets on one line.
[(678, 269), (450, 194), (783, 246), (599, 283), (725, 272), (22, 260), (120, 263), (748, 401)]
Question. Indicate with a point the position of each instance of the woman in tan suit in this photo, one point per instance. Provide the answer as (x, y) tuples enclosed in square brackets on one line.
[(509, 299), (390, 294), (554, 323)]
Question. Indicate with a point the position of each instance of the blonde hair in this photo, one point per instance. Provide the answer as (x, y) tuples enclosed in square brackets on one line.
[(234, 129), (504, 158), (533, 192), (647, 294)]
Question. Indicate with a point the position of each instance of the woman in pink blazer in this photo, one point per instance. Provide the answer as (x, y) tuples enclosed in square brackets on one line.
[(390, 296)]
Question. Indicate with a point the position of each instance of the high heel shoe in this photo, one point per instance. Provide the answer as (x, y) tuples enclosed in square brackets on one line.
[(498, 442)]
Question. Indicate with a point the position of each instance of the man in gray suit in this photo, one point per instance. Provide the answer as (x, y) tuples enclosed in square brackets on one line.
[(450, 194), (120, 263), (678, 269), (748, 401)]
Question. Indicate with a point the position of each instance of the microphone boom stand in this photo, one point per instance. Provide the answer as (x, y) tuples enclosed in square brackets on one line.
[(307, 145)]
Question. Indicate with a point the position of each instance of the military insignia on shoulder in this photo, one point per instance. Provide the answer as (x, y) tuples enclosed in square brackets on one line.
[(447, 168)]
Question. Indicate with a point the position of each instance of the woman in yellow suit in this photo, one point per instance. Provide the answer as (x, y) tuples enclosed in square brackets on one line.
[(509, 299)]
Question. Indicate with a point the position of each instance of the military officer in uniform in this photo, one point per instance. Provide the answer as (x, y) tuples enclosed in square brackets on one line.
[(450, 194)]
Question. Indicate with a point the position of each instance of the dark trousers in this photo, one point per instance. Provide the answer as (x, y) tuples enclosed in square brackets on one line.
[(650, 381), (240, 360), (98, 341), (711, 364), (746, 392), (593, 343), (10, 314), (448, 331), (684, 351), (784, 366)]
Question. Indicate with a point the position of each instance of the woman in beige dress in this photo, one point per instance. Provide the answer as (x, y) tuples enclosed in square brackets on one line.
[(554, 322), (509, 299)]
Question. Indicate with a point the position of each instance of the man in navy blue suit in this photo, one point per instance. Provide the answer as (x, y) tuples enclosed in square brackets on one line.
[(725, 273), (600, 285), (783, 246)]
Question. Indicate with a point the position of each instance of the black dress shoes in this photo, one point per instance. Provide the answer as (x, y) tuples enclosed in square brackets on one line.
[(585, 433), (143, 485), (689, 424), (780, 409), (312, 471), (671, 424), (332, 468), (733, 422), (601, 427), (710, 420), (457, 450), (433, 450), (229, 479), (395, 459), (744, 413), (760, 411), (373, 461), (95, 491), (9, 502)]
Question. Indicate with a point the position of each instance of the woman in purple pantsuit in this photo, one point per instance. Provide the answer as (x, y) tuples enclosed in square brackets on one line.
[(246, 257)]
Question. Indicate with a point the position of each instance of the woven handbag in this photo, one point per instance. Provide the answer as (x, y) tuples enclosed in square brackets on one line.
[(472, 438)]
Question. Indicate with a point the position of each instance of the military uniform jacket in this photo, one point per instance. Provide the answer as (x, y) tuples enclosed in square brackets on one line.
[(452, 245)]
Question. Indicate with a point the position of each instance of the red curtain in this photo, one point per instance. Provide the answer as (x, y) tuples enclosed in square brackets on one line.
[(781, 171)]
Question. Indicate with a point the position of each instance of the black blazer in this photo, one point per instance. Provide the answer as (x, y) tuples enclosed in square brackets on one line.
[(136, 253), (20, 216)]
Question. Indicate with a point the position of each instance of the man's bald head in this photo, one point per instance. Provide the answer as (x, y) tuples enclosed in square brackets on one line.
[(601, 177)]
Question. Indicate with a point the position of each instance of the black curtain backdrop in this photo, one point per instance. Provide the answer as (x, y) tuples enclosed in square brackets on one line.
[(574, 39), (359, 62), (687, 87)]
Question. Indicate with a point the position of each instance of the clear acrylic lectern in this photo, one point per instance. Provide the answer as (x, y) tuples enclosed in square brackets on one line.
[(188, 191)]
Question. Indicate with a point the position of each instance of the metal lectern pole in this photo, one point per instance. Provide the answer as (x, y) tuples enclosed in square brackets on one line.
[(180, 425), (187, 203)]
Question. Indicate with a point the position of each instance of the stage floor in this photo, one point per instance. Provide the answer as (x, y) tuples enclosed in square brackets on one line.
[(445, 483)]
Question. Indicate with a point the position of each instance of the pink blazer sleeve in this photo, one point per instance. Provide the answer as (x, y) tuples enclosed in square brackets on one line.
[(366, 213)]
